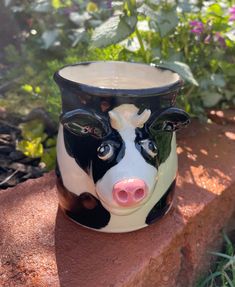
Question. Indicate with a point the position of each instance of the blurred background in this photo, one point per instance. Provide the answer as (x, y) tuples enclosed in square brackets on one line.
[(194, 38)]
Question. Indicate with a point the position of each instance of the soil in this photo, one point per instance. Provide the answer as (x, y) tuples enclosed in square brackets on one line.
[(15, 167)]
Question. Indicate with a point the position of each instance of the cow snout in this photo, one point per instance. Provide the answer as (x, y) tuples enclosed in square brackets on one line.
[(129, 192)]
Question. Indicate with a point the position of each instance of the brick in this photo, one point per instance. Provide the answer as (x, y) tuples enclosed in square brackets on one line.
[(40, 247)]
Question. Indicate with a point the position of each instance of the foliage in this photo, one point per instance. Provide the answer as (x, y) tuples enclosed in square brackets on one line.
[(194, 38), (32, 148), (35, 143), (224, 273), (114, 30)]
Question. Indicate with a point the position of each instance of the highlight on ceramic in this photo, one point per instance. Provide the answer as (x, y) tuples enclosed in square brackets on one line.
[(116, 147)]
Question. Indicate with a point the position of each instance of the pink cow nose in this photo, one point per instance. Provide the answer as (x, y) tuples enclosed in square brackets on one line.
[(129, 192)]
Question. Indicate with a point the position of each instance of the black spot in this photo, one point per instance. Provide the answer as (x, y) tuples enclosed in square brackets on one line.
[(84, 151), (162, 141), (142, 134), (161, 138), (162, 206), (84, 209), (99, 166)]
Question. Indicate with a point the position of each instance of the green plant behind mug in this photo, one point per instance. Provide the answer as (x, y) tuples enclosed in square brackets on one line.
[(195, 39)]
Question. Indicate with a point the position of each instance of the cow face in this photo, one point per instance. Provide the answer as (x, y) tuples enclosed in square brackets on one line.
[(121, 154)]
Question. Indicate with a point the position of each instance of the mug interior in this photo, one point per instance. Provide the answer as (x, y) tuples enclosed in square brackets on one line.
[(119, 75)]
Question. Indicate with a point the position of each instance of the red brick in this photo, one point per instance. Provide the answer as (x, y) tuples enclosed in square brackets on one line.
[(222, 116), (39, 246)]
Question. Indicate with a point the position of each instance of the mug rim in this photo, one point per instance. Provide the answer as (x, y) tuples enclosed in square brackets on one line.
[(104, 91)]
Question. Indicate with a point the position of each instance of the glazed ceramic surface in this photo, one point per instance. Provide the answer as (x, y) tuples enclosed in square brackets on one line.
[(116, 146)]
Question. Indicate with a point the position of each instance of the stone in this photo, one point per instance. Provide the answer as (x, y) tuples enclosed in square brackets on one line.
[(41, 247), (16, 155), (6, 149)]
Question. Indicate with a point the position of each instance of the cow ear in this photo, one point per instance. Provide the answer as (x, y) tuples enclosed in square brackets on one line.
[(170, 120), (84, 123)]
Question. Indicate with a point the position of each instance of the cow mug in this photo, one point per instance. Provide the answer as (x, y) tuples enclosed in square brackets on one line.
[(116, 146)]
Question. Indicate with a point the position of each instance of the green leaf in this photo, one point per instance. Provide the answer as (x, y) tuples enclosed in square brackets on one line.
[(79, 35), (117, 4), (27, 88), (113, 31), (32, 129), (49, 158), (209, 278), (41, 7), (148, 12), (204, 82), (143, 26), (228, 279), (175, 56), (12, 54), (49, 37), (32, 148), (155, 2), (167, 21), (156, 53), (215, 9), (94, 23), (139, 2), (37, 90), (131, 45), (56, 4), (91, 7), (229, 94), (218, 80), (228, 68), (185, 6), (79, 19), (231, 35), (182, 69), (223, 255), (210, 98), (50, 142)]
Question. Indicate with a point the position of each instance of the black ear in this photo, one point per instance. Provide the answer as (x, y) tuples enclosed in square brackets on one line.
[(83, 123), (170, 120)]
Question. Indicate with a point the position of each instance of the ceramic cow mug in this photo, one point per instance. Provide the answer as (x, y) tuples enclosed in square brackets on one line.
[(116, 146)]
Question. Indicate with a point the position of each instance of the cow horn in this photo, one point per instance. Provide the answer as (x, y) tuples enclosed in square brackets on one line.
[(115, 120), (140, 120)]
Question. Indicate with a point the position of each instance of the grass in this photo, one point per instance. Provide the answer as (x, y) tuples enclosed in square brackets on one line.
[(224, 271)]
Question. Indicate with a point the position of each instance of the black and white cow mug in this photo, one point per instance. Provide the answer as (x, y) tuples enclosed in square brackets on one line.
[(116, 146)]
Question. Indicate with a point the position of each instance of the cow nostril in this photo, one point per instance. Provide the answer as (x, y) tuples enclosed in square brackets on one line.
[(129, 192), (139, 194), (122, 195)]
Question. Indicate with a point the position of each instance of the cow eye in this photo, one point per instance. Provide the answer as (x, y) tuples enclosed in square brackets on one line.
[(105, 151), (150, 147)]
